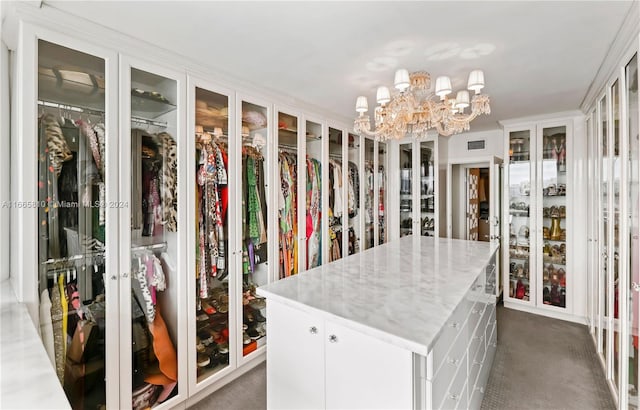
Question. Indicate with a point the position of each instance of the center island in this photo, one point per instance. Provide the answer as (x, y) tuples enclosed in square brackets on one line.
[(405, 325)]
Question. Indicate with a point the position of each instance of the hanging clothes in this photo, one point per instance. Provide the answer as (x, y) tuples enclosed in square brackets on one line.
[(353, 194), (314, 213), (288, 214)]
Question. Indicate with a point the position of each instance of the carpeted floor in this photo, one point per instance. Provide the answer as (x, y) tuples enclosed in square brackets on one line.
[(540, 363), (544, 363)]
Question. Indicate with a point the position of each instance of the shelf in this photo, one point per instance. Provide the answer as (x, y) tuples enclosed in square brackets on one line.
[(555, 240), (147, 107), (518, 212), (521, 258)]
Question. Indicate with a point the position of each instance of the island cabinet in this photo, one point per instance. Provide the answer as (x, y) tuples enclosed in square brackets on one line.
[(353, 334)]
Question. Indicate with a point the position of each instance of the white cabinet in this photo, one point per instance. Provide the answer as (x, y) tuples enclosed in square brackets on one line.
[(541, 219), (414, 187), (296, 349), (315, 364)]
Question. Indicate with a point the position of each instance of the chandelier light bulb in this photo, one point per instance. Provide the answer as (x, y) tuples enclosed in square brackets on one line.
[(476, 81), (401, 81), (383, 95), (362, 105), (443, 86), (462, 99)]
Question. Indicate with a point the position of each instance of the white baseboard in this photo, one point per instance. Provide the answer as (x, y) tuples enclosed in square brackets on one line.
[(547, 312)]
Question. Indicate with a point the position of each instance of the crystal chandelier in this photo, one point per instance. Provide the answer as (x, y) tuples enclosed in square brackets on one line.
[(412, 109)]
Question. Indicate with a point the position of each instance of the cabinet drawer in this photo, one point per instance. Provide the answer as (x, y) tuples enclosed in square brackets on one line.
[(450, 395), (475, 398), (491, 326), (483, 377), (475, 315), (451, 330), (477, 342), (453, 356), (476, 364)]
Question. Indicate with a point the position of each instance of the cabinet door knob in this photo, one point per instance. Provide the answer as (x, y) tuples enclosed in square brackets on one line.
[(453, 361), (454, 397), (313, 330), (454, 325), (333, 339)]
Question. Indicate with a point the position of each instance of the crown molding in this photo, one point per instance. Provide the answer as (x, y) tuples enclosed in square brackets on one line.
[(626, 39), (563, 115)]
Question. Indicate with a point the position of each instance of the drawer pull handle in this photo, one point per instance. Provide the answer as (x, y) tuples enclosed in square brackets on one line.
[(313, 330), (333, 339), (480, 389), (453, 361), (478, 362), (454, 397), (474, 311), (454, 325)]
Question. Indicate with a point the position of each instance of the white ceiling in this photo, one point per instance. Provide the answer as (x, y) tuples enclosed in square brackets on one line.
[(538, 57)]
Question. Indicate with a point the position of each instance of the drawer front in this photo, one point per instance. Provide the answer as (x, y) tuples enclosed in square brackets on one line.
[(491, 326), (476, 314), (475, 398), (463, 403), (450, 367), (454, 394), (483, 377), (452, 329)]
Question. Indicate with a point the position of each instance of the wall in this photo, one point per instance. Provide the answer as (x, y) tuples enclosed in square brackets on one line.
[(457, 145)]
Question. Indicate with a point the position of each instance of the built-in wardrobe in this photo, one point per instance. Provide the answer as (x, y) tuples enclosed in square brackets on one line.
[(612, 126), (160, 198)]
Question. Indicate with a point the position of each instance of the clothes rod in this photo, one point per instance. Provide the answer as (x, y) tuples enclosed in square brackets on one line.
[(154, 246), (73, 257), (91, 111)]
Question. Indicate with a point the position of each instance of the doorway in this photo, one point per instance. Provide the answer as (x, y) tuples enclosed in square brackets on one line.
[(470, 202)]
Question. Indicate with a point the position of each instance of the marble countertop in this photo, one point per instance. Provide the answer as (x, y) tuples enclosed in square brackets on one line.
[(27, 378), (401, 292)]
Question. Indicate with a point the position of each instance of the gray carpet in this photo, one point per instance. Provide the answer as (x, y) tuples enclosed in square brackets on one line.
[(540, 363), (544, 363)]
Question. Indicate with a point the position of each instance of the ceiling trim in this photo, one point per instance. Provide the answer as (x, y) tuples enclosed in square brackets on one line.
[(541, 118), (626, 38)]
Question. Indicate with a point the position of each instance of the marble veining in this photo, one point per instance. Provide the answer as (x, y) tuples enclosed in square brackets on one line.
[(401, 292), (27, 379)]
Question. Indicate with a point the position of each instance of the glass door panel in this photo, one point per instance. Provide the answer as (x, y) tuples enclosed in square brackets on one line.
[(554, 214), (314, 194), (72, 218), (616, 163), (406, 205), (427, 189), (288, 194), (154, 229), (631, 74), (519, 217), (336, 200), (212, 232), (254, 224), (604, 238), (382, 192), (353, 193), (368, 181)]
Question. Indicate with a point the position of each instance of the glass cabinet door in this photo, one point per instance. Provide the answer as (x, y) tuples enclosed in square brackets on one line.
[(353, 193), (255, 209), (554, 214), (615, 218), (368, 181), (336, 195), (213, 271), (604, 237), (633, 178), (72, 221), (406, 181), (288, 194), (314, 194), (382, 192), (520, 156), (427, 189), (154, 230)]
